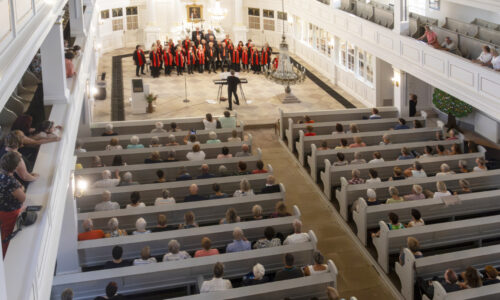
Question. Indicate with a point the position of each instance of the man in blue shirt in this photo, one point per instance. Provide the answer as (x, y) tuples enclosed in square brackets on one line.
[(205, 172), (193, 194), (374, 114), (401, 125), (240, 243)]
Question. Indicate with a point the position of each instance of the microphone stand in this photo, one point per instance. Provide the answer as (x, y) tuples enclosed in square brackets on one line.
[(186, 100)]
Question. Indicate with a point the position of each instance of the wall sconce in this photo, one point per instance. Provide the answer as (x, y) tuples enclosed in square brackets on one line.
[(396, 79), (81, 187)]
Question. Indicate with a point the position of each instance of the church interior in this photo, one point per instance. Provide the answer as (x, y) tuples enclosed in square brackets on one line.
[(250, 149)]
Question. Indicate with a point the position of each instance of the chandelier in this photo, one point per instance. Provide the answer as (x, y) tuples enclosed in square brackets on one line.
[(217, 12), (286, 73)]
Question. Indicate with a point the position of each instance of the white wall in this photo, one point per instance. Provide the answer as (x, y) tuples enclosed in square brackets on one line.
[(420, 88), (460, 12), (385, 88)]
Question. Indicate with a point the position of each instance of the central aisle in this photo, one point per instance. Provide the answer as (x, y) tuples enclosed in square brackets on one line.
[(357, 276)]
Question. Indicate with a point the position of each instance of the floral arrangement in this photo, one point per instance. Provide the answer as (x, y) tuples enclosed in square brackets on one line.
[(450, 105)]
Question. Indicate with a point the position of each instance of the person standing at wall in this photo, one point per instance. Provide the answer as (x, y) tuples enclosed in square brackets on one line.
[(139, 59), (413, 105)]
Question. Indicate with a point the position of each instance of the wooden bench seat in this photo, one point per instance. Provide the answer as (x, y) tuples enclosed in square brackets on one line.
[(435, 235), (489, 292)]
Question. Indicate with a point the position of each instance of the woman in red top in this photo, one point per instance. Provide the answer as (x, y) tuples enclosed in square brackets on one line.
[(309, 131), (244, 58), (200, 55), (190, 60), (155, 61), (168, 59), (266, 56), (235, 60), (179, 61), (255, 60)]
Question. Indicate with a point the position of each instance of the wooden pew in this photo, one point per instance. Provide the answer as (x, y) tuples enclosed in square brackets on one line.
[(383, 17), (435, 235), (370, 138), (98, 143), (165, 275), (300, 288), (146, 173), (367, 217), (206, 212), (333, 116), (179, 189), (331, 176), (389, 152), (490, 292), (145, 126), (486, 24), (435, 265), (137, 156), (348, 193), (461, 27), (325, 128)]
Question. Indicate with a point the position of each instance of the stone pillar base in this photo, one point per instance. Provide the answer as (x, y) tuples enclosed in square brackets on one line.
[(239, 34)]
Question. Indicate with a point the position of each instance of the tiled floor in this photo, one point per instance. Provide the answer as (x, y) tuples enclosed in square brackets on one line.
[(263, 95)]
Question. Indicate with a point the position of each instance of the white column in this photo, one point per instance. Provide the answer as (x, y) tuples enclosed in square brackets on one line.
[(152, 31), (151, 13), (67, 255), (76, 20), (401, 23), (55, 89), (239, 29), (3, 287), (400, 91)]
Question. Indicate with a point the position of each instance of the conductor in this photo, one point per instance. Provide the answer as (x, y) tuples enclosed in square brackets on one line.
[(232, 86)]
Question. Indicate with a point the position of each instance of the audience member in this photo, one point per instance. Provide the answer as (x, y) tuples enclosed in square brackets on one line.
[(495, 61), (183, 175), (140, 227), (174, 128), (356, 179), (234, 137), (413, 245), (455, 149), (207, 250), (172, 141), (464, 187), (67, 294), (218, 194), (245, 189), (224, 172), (12, 143), (257, 276), (442, 191), (416, 219), (375, 114), (393, 224), (245, 151), (189, 221), (117, 261), (353, 128), (217, 283), (257, 212), (401, 125), (480, 165), (395, 198), (227, 121), (107, 180), (333, 294), (491, 275), (108, 130), (343, 144), (427, 152), (205, 172), (485, 57), (106, 203), (260, 167), (339, 129), (161, 224), (155, 158), (323, 146), (289, 271), (270, 239), (134, 143), (416, 193), (240, 243), (450, 46), (373, 176), (405, 154), (397, 174), (280, 210), (174, 252), (160, 176), (309, 131), (377, 157), (441, 150), (135, 202), (231, 217), (417, 171), (449, 283), (444, 170), (196, 154), (126, 179), (242, 168), (385, 140), (297, 236), (341, 161), (171, 156), (117, 161), (358, 159), (193, 194), (114, 231), (79, 146), (472, 279), (209, 122), (462, 166), (225, 153), (319, 266), (70, 67), (431, 37), (212, 138), (417, 124), (89, 232), (371, 198), (158, 128), (271, 186), (357, 143), (166, 198), (145, 258)]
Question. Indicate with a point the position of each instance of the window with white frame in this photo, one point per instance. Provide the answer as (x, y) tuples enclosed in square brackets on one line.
[(361, 63), (132, 18), (105, 14), (350, 56), (331, 43), (117, 24), (369, 67), (310, 35), (342, 53), (266, 13), (282, 16), (268, 19), (269, 24), (254, 18), (117, 12)]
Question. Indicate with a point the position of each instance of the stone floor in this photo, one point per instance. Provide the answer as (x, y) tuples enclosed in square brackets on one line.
[(262, 95)]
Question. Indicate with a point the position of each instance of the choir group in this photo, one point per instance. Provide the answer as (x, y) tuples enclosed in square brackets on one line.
[(203, 52)]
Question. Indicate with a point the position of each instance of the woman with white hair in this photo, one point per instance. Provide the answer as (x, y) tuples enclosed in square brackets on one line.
[(445, 170), (417, 193), (257, 276), (245, 189), (358, 159), (174, 252), (140, 226), (395, 198), (172, 141), (134, 143), (442, 191), (356, 179), (155, 142), (158, 128), (166, 198), (145, 258), (108, 130), (212, 138), (319, 267), (371, 197), (114, 231)]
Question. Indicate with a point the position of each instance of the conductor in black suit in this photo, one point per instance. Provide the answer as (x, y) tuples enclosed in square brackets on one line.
[(232, 86)]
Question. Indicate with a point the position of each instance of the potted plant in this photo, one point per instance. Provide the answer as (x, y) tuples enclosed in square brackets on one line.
[(454, 107), (150, 98)]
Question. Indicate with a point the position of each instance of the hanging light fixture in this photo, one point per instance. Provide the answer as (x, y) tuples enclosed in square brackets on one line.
[(286, 73), (217, 12)]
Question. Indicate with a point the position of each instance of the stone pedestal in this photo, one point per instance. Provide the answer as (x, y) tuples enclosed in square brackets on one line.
[(288, 96)]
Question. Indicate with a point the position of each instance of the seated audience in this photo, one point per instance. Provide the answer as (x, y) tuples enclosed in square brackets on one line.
[(371, 198), (270, 239), (134, 143), (462, 166), (441, 150), (111, 292), (431, 37), (289, 271), (242, 168), (217, 283), (12, 143), (416, 193), (339, 129), (79, 146), (68, 62), (212, 138), (140, 227), (108, 130), (174, 252), (231, 217), (395, 198), (444, 170), (161, 176), (260, 168), (323, 146), (417, 124), (126, 179), (89, 232), (166, 198), (240, 243), (225, 153), (343, 144), (309, 131), (464, 187), (196, 154), (480, 165), (297, 236), (218, 194), (356, 179), (373, 176), (397, 174), (271, 186), (280, 210), (417, 170), (161, 224), (145, 258), (191, 139), (209, 122), (308, 120), (257, 276), (224, 172), (114, 231), (495, 61), (405, 154), (357, 143), (234, 137), (341, 161), (67, 294), (135, 202), (183, 175), (193, 194), (245, 189), (449, 283), (416, 219), (257, 212), (107, 180), (47, 130), (171, 156), (319, 266), (97, 162), (207, 250), (117, 261), (427, 152), (377, 157), (189, 221), (472, 279), (205, 172), (449, 45), (385, 140), (393, 224), (442, 191), (114, 145), (358, 159), (117, 161), (174, 128), (353, 128), (401, 125), (485, 57), (158, 128), (227, 121), (375, 114), (245, 151), (154, 159), (455, 149), (413, 245), (491, 275), (106, 203), (172, 141), (452, 135)]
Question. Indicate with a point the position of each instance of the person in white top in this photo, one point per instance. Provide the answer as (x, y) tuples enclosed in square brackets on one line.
[(442, 191), (106, 180), (79, 147), (481, 165), (373, 176), (209, 122), (166, 199), (174, 252), (495, 61), (106, 203), (418, 171), (358, 159), (245, 189), (140, 226), (319, 267), (298, 236), (485, 56), (196, 154), (377, 157), (114, 145), (234, 137), (145, 257), (416, 219), (450, 46), (217, 283), (135, 198), (47, 130), (445, 170), (158, 128)]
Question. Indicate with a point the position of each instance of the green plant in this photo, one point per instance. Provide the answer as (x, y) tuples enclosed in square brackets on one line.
[(450, 105), (151, 97)]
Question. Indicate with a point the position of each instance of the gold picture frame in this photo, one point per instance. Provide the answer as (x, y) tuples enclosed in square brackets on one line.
[(194, 13)]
